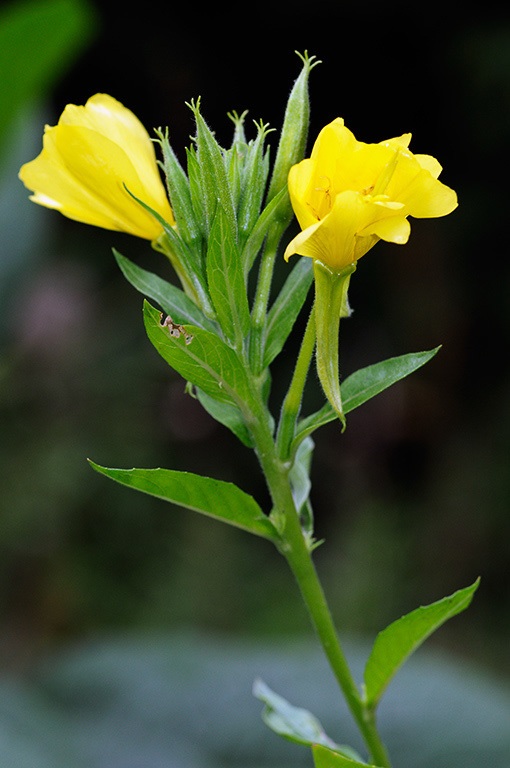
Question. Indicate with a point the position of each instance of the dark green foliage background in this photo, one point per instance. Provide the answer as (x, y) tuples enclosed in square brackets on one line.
[(414, 499)]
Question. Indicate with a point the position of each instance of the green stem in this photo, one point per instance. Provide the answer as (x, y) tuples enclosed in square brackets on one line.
[(292, 403), (297, 553)]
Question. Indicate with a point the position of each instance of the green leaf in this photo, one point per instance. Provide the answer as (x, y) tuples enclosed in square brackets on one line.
[(326, 758), (368, 382), (206, 361), (215, 498), (283, 314), (228, 415), (362, 386), (171, 299), (226, 280), (299, 474), (293, 723), (398, 641)]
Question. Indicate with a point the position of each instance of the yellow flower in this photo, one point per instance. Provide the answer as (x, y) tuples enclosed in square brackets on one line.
[(88, 158), (349, 194)]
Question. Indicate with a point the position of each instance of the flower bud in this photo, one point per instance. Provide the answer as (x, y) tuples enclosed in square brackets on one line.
[(291, 147), (90, 163)]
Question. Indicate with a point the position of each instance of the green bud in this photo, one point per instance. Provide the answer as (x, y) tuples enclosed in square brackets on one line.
[(254, 179), (213, 173), (291, 147), (180, 198)]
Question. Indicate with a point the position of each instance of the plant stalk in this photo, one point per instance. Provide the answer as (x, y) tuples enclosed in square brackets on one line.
[(292, 403), (259, 311), (297, 553)]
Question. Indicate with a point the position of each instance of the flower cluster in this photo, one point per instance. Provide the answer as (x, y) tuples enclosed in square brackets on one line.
[(98, 166)]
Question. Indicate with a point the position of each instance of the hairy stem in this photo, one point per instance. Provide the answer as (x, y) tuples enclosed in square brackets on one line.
[(292, 403), (295, 549)]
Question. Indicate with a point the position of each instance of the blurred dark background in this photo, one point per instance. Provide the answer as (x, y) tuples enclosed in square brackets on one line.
[(414, 499)]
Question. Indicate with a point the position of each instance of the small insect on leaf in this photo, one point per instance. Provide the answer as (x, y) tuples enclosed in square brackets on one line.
[(175, 329)]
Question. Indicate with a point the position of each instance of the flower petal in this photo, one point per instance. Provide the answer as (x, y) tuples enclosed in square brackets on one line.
[(430, 164), (399, 142), (103, 168), (87, 159), (54, 186), (426, 197), (342, 237), (299, 181), (394, 229)]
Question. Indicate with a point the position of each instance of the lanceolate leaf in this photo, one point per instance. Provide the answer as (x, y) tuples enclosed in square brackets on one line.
[(368, 382), (171, 299), (398, 641), (294, 723), (326, 758), (215, 498), (226, 280), (362, 386), (283, 313), (204, 360)]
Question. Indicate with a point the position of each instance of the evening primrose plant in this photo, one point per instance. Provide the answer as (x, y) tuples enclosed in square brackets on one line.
[(218, 220)]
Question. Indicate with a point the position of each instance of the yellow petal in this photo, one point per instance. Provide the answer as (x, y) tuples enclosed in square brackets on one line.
[(55, 187), (300, 176), (88, 158), (107, 116), (393, 229), (338, 239), (426, 197), (430, 164), (103, 168), (399, 142)]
